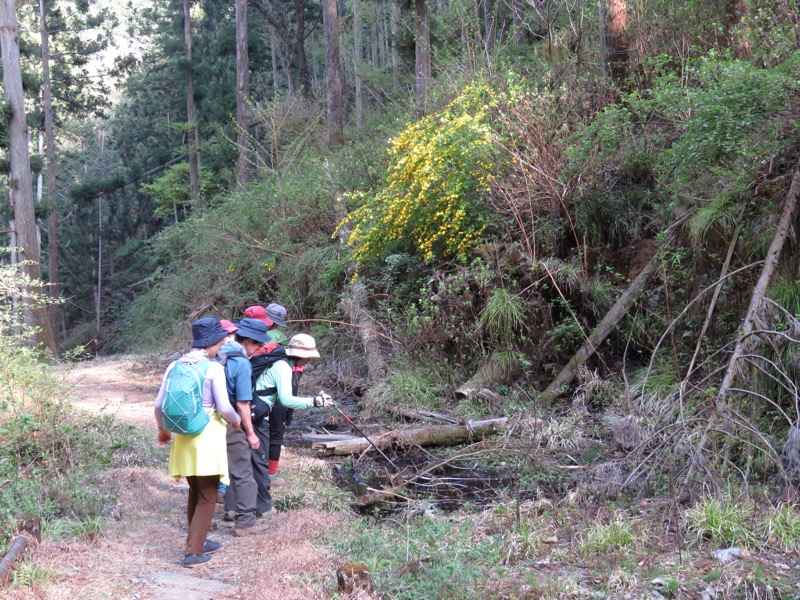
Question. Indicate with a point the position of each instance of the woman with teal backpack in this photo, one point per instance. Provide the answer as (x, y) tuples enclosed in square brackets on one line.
[(193, 404)]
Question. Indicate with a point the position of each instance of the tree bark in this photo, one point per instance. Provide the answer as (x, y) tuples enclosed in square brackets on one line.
[(394, 19), (358, 51), (273, 46), (50, 158), (20, 182), (617, 41), (300, 47), (242, 91), (492, 373), (757, 299), (191, 117), (354, 308), (334, 74), (374, 40), (745, 330), (422, 32), (436, 435), (601, 332), (417, 414)]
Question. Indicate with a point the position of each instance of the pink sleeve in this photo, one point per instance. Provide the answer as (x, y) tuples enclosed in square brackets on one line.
[(219, 390)]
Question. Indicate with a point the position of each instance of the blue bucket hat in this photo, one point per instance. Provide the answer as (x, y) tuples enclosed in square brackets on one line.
[(253, 329), (207, 332)]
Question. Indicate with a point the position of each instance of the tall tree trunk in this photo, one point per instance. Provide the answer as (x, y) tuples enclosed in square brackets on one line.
[(358, 52), (300, 47), (374, 45), (191, 117), (394, 16), (334, 73), (20, 183), (422, 32), (99, 287), (273, 46), (242, 90), (50, 158), (489, 24), (617, 41)]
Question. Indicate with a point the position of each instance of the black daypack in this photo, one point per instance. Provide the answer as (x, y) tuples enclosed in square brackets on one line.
[(259, 408)]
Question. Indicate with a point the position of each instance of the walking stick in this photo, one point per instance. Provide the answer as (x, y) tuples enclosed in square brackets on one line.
[(361, 433)]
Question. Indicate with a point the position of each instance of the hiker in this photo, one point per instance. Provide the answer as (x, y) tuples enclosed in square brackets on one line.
[(230, 331), (241, 496), (260, 313), (201, 457), (277, 314), (277, 387), (273, 316)]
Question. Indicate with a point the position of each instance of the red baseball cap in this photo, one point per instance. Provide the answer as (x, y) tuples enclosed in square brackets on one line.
[(260, 313), (228, 326)]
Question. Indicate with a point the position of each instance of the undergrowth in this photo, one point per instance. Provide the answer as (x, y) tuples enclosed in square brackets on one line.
[(53, 459)]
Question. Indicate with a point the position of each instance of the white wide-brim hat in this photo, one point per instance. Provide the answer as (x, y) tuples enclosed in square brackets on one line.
[(302, 345)]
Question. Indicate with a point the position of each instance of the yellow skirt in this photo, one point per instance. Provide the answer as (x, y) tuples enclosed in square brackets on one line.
[(203, 454)]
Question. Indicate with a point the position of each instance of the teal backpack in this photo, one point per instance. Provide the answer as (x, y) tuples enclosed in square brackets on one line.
[(182, 408)]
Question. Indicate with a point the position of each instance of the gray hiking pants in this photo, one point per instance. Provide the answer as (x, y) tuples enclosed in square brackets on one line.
[(242, 493)]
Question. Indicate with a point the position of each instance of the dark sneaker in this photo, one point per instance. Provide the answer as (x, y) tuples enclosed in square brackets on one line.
[(230, 516), (254, 530), (210, 547), (276, 481), (192, 560)]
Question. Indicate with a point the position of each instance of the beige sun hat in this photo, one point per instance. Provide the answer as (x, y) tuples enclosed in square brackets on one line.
[(302, 345)]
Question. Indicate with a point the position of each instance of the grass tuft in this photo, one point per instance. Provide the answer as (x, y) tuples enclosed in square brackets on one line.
[(721, 520), (619, 534), (781, 527)]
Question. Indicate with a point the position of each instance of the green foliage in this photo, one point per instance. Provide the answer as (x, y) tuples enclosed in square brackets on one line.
[(171, 191), (724, 110), (430, 206), (723, 520), (430, 557)]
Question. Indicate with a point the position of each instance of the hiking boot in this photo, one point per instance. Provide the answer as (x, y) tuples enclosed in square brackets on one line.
[(253, 530), (276, 481), (192, 560), (230, 516), (211, 546)]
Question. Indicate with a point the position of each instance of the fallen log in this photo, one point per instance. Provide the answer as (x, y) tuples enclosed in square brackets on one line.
[(744, 337), (327, 437), (30, 529), (497, 370), (438, 435), (418, 414), (601, 332)]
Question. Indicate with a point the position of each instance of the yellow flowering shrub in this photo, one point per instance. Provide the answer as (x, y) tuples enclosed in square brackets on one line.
[(440, 168)]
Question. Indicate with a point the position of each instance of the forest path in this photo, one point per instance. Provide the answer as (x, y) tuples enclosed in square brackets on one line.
[(138, 555)]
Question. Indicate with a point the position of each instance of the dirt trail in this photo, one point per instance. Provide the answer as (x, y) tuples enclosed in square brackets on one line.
[(139, 554)]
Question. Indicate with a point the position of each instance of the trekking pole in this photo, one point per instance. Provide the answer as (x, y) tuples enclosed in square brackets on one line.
[(361, 433)]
